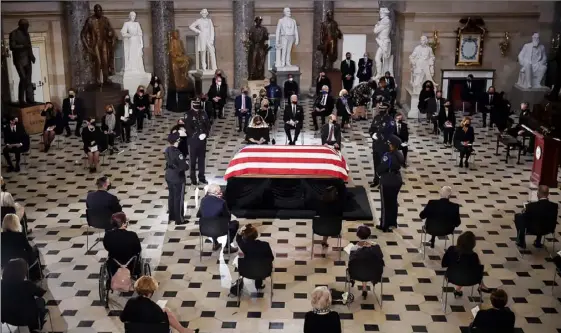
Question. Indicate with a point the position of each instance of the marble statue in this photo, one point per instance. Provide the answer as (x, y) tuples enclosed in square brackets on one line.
[(383, 57), (422, 64), (287, 36), (179, 63), (533, 60), (22, 55), (329, 37), (258, 50), (99, 40), (133, 45), (205, 29)]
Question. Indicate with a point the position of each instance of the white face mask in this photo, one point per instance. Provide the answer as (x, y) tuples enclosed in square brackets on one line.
[(291, 79)]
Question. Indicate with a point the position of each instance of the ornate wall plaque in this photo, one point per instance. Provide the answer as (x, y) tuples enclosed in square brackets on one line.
[(469, 42)]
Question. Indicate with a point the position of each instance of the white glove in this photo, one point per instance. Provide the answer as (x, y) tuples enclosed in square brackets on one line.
[(374, 136), (404, 144), (202, 136), (182, 132)]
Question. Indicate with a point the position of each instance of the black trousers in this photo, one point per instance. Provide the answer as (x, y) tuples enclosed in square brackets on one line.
[(297, 130), (197, 153), (484, 113), (348, 84), (25, 88), (520, 224), (13, 150), (447, 132), (404, 150), (315, 115), (125, 132), (140, 121), (388, 195), (275, 105), (345, 119), (111, 139), (465, 151), (176, 199), (243, 118), (77, 128), (376, 160), (233, 227), (218, 109)]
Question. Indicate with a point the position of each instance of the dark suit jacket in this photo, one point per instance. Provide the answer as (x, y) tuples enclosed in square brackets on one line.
[(348, 69), (273, 91), (341, 110), (290, 88), (431, 105), (238, 105), (67, 109), (441, 211), (141, 101), (362, 67), (223, 93), (255, 249), (461, 136), (120, 112), (213, 206), (470, 95), (329, 103), (495, 104), (103, 203), (542, 213), (21, 297), (336, 134), (442, 118), (322, 82), (403, 134), (299, 117), (15, 245), (494, 321), (390, 83), (19, 136)]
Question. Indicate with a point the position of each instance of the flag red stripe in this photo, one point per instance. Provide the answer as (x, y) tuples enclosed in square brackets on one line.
[(269, 159), (288, 149), (283, 171)]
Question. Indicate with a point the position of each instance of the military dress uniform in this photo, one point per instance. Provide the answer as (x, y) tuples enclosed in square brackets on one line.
[(176, 165), (390, 184), (382, 127), (198, 128)]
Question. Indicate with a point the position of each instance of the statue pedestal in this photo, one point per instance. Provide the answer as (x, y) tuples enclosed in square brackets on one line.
[(530, 95), (255, 86), (411, 108), (29, 116), (282, 75), (131, 81), (203, 79), (334, 75), (95, 98)]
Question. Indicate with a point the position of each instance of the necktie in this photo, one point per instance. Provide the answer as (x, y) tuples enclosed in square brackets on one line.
[(243, 102), (218, 88), (398, 128), (330, 136), (72, 101), (293, 110), (437, 106), (13, 129), (490, 98), (469, 85), (323, 100), (204, 105)]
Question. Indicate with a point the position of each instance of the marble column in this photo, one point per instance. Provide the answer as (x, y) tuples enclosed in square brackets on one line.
[(320, 8), (163, 23), (396, 36), (75, 14), (243, 21)]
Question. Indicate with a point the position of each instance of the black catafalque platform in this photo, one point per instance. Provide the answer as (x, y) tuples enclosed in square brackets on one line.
[(291, 198)]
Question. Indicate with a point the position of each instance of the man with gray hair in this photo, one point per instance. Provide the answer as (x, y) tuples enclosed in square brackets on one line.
[(293, 119), (440, 214), (214, 206), (537, 218)]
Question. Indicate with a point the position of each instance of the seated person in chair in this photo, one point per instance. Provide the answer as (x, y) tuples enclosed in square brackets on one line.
[(122, 245), (331, 133), (243, 109), (9, 206), (16, 141), (499, 318), (441, 212), (266, 112), (94, 142), (463, 141), (15, 245), (54, 124), (323, 107), (22, 299), (254, 249), (142, 309), (257, 132), (537, 215), (330, 206), (322, 318), (101, 202), (293, 119), (366, 249), (212, 206)]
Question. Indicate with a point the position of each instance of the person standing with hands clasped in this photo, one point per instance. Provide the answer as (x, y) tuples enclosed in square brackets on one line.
[(176, 165), (390, 183)]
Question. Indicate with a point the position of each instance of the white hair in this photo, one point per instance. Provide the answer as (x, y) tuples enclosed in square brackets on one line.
[(11, 223), (343, 92), (7, 200), (214, 189), (321, 298), (445, 192), (324, 87)]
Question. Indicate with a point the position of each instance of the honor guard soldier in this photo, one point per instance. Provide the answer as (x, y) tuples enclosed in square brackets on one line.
[(390, 183), (382, 127), (197, 125), (176, 165)]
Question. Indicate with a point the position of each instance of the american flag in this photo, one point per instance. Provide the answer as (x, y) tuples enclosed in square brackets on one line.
[(288, 161)]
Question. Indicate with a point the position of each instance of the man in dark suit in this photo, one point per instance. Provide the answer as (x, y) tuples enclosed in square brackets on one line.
[(214, 206), (322, 80), (208, 107), (348, 70), (293, 119), (323, 107), (469, 95), (331, 133), (364, 69), (447, 123), (536, 216), (243, 109), (489, 103), (441, 211), (290, 88), (16, 141), (217, 93), (102, 203), (434, 106), (402, 132), (72, 111)]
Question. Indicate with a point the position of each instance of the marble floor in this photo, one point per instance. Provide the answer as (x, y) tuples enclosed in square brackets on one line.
[(53, 188)]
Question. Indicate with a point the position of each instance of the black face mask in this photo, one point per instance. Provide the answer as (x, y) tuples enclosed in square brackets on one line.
[(400, 121), (348, 58), (141, 91), (334, 121), (109, 187), (3, 188), (71, 95), (127, 99), (266, 106), (110, 112)]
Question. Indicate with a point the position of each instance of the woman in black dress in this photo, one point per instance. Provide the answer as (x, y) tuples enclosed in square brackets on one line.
[(142, 106), (321, 319), (92, 138), (427, 92), (463, 141), (156, 91), (54, 124), (126, 115)]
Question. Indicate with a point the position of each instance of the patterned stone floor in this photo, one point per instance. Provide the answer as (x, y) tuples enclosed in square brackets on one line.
[(53, 187)]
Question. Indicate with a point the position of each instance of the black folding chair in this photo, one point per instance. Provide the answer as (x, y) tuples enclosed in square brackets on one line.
[(438, 229), (463, 276), (19, 322), (366, 270), (327, 226), (538, 229), (213, 227), (146, 328), (254, 269), (96, 222)]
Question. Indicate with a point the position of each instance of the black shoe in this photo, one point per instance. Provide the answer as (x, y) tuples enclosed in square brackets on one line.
[(536, 245), (466, 164), (17, 168), (521, 245), (261, 287), (273, 141), (379, 227), (461, 165), (216, 246), (92, 170), (68, 135), (324, 244), (239, 130), (486, 290), (230, 249), (292, 143), (194, 182), (128, 141), (375, 183), (364, 294), (316, 129), (430, 244), (203, 181), (458, 293)]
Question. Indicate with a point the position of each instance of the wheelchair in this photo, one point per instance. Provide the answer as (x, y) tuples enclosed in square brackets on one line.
[(105, 277)]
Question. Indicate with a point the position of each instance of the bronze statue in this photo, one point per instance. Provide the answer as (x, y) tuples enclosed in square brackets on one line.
[(179, 62), (99, 41), (258, 50), (22, 52), (329, 36)]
